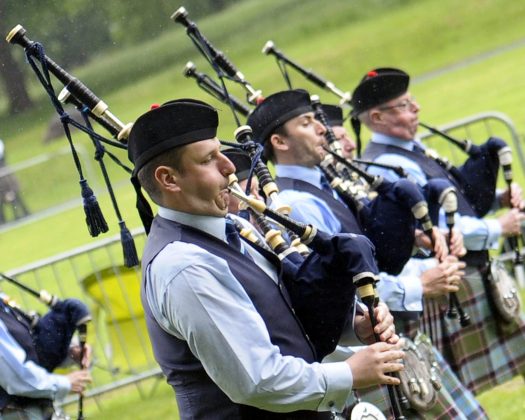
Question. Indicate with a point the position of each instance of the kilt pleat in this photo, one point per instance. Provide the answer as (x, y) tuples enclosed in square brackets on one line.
[(488, 352)]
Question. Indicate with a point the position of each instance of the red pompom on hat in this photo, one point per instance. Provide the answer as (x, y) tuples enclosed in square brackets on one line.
[(154, 106), (378, 86)]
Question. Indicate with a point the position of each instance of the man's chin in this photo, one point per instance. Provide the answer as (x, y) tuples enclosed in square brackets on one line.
[(220, 208)]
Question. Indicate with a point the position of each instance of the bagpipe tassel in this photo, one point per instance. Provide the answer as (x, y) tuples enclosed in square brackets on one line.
[(94, 218), (131, 258)]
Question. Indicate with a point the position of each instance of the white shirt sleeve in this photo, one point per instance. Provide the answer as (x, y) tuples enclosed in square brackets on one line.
[(25, 378)]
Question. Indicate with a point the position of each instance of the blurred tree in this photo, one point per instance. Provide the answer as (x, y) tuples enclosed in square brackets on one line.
[(132, 21), (73, 31), (12, 75)]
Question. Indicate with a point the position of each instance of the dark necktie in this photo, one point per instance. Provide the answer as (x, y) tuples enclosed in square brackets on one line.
[(418, 149), (325, 185), (233, 238)]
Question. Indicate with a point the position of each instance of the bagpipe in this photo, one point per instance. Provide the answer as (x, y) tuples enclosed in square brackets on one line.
[(318, 281), (320, 284), (477, 179), (321, 292), (387, 262), (345, 97), (215, 57), (478, 175), (34, 50), (209, 85), (91, 107), (53, 331), (389, 219), (398, 205), (441, 191), (319, 287), (282, 60)]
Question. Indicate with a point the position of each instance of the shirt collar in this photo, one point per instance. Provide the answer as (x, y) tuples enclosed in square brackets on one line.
[(310, 175), (212, 225), (392, 141)]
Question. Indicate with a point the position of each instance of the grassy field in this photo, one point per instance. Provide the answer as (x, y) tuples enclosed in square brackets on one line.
[(465, 58)]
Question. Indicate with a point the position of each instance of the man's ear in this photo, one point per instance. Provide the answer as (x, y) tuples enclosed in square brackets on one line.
[(375, 116), (167, 178), (279, 142)]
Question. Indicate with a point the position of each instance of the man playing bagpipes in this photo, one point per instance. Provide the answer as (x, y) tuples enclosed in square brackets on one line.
[(220, 321), (489, 351), (30, 349), (293, 140)]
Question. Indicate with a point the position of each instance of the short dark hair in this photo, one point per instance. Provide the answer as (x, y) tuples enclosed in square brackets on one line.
[(146, 175), (268, 153)]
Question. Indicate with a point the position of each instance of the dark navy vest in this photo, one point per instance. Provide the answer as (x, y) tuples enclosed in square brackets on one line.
[(197, 396), (432, 170), (429, 166), (349, 224), (20, 329)]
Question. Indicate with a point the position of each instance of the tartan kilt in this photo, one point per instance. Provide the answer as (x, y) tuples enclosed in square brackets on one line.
[(488, 352), (376, 395)]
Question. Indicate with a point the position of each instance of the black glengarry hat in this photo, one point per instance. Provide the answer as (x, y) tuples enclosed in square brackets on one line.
[(276, 110), (173, 124), (334, 114), (241, 160), (377, 87)]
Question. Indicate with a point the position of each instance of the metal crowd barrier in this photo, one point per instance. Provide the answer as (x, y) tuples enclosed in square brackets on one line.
[(95, 274), (478, 128)]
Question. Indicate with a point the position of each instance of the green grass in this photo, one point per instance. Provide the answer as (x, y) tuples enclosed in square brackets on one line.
[(504, 402), (151, 399), (339, 40)]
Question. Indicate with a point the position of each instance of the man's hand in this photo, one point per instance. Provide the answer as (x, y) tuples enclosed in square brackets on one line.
[(512, 197), (78, 380), (444, 278), (457, 248), (384, 328), (511, 222), (370, 365), (440, 245), (74, 353)]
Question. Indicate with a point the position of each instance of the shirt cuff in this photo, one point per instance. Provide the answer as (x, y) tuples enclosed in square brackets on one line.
[(413, 288), (63, 386), (339, 382), (494, 233)]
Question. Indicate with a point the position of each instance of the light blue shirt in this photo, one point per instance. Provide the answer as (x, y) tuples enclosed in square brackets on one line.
[(305, 206), (478, 234), (195, 297), (401, 293), (22, 377)]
